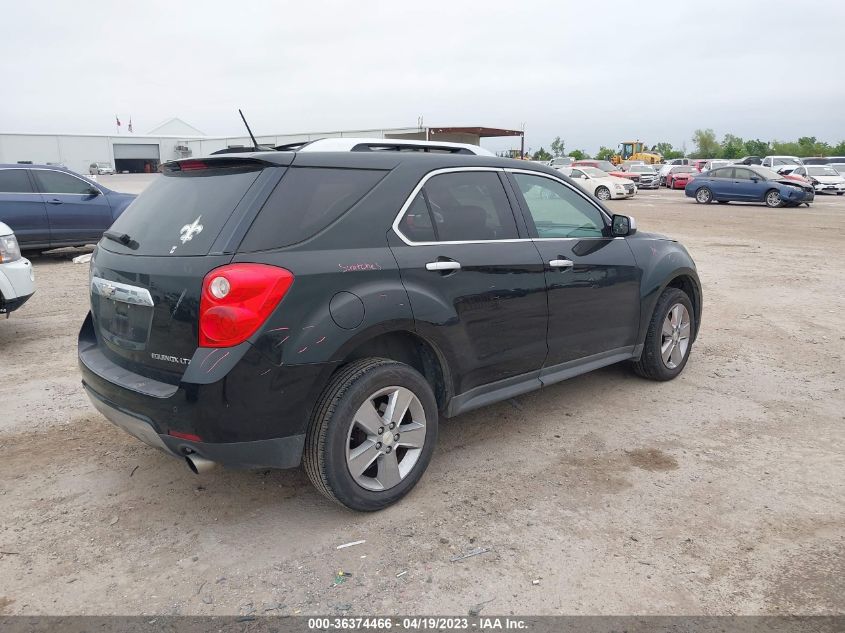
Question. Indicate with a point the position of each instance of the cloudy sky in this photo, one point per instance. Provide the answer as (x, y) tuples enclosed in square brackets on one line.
[(595, 72)]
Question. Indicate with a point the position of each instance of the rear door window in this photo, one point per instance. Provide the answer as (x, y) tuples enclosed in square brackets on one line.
[(182, 213), (470, 206), (14, 181), (306, 201)]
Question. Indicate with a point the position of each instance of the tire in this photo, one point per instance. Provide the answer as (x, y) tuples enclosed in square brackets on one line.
[(703, 195), (652, 364), (336, 430), (603, 193), (773, 199), (839, 193)]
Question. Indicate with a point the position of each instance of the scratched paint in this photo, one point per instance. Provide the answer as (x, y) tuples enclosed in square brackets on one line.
[(217, 363), (320, 341), (302, 350), (350, 268)]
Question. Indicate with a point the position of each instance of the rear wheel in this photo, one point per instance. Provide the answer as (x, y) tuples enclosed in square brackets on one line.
[(773, 199), (669, 337), (372, 434), (704, 196), (603, 193)]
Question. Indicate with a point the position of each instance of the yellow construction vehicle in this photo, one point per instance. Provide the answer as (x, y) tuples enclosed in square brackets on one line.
[(635, 150)]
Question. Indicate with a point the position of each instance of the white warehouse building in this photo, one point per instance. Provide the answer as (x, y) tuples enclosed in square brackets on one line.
[(176, 139)]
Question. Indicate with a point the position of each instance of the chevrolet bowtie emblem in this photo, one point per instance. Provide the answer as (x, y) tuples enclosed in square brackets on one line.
[(188, 231)]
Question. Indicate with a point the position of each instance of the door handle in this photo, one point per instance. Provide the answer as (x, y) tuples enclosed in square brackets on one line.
[(54, 201), (561, 263), (443, 266)]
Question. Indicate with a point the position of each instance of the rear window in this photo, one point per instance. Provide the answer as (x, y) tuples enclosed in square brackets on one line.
[(182, 213), (306, 201)]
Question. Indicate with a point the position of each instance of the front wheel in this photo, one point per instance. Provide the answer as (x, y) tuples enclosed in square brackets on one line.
[(704, 196), (773, 199), (669, 337), (603, 193), (372, 434)]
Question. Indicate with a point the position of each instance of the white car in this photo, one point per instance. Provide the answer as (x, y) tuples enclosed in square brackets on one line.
[(775, 163), (599, 183), (17, 279), (560, 161), (824, 178), (99, 169)]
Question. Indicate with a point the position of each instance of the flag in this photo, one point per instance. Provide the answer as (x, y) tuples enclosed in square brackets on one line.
[(117, 120), (129, 127)]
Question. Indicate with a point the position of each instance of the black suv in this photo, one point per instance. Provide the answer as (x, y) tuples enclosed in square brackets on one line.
[(266, 309)]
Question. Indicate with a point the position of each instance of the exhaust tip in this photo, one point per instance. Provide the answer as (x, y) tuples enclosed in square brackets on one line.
[(199, 464)]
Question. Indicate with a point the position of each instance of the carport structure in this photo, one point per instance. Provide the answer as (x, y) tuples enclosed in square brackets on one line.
[(462, 134)]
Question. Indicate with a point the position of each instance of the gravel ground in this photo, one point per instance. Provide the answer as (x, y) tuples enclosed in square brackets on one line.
[(718, 493)]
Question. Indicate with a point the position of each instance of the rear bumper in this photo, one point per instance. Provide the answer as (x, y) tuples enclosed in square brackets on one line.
[(247, 414), (17, 284), (284, 452)]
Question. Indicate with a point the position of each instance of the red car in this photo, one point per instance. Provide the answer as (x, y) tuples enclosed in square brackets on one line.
[(699, 163), (680, 175), (610, 168)]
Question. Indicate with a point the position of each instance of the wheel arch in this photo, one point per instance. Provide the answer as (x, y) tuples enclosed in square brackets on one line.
[(682, 277), (404, 346)]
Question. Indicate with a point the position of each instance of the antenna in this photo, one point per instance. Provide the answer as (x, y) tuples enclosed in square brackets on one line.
[(254, 142)]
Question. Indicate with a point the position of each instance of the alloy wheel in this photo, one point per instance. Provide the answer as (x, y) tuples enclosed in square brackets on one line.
[(703, 195), (386, 438), (773, 199), (675, 336)]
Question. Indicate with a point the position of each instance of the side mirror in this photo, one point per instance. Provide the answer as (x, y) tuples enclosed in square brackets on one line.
[(623, 226), (583, 176), (755, 179), (93, 191)]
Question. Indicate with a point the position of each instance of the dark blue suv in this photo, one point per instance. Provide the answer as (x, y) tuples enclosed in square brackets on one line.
[(49, 207)]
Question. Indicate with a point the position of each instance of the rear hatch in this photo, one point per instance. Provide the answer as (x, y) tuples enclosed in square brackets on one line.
[(147, 273)]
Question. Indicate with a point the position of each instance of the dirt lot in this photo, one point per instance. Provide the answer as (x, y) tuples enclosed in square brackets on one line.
[(718, 493)]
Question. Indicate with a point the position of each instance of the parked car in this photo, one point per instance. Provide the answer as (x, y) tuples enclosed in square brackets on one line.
[(776, 162), (607, 167), (715, 163), (49, 207), (750, 183), (699, 163), (100, 169), (647, 174), (824, 178), (17, 279), (815, 160), (599, 183), (679, 176), (749, 160), (840, 167), (561, 161), (330, 307), (680, 161)]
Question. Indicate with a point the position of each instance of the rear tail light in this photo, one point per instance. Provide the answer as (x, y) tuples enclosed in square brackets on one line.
[(237, 299)]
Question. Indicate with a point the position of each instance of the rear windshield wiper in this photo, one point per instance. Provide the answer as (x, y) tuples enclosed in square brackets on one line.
[(120, 238)]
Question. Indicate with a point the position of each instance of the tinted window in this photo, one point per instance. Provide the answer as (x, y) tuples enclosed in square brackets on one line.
[(743, 174), (176, 207), (57, 182), (721, 173), (14, 181), (470, 206), (305, 202), (557, 210), (416, 223)]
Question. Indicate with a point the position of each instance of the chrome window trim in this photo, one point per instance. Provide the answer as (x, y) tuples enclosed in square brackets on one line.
[(52, 193), (446, 170), (121, 292), (418, 188)]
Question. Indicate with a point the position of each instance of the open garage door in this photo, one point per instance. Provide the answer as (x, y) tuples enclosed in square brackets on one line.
[(136, 157)]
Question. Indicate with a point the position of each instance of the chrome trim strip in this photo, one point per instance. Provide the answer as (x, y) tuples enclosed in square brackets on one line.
[(121, 292), (447, 170)]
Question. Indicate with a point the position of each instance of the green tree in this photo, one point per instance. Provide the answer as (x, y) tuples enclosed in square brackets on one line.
[(605, 153), (838, 150), (732, 147), (579, 154), (542, 154), (706, 144), (757, 148), (558, 147), (667, 151)]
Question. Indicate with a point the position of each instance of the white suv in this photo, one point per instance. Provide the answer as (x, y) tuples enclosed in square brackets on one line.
[(17, 279)]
